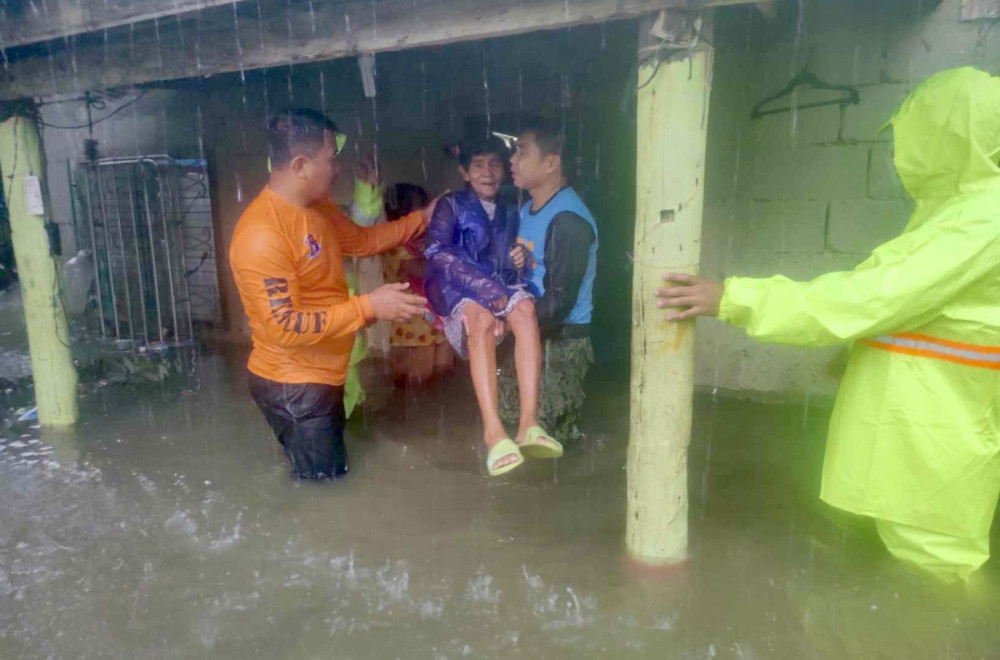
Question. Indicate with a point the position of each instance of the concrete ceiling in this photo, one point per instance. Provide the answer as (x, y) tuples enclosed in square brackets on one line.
[(71, 46)]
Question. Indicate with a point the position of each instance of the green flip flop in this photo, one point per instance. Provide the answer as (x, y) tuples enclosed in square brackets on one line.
[(502, 449), (534, 447)]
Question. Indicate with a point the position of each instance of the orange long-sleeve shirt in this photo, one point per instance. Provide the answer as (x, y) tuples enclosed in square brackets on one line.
[(287, 261)]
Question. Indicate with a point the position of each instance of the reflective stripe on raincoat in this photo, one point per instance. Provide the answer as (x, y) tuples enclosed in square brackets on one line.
[(915, 434)]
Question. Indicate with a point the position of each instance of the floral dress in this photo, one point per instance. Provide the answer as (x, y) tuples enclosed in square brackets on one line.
[(421, 331)]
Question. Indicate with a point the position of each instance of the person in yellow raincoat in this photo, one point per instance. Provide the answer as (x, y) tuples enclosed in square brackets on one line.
[(914, 439)]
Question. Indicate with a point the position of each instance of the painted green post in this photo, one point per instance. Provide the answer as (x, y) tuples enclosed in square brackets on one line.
[(672, 117), (48, 336)]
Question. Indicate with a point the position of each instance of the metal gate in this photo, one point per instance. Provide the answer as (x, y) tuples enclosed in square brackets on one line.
[(143, 249)]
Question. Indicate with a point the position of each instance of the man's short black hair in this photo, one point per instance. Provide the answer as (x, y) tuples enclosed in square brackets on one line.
[(481, 146), (548, 136), (296, 132)]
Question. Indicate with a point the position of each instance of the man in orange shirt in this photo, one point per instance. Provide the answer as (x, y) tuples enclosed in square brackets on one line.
[(287, 259)]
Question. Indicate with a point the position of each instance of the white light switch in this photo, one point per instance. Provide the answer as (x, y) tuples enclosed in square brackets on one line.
[(33, 195)]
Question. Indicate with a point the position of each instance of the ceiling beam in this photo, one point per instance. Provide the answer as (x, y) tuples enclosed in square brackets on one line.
[(228, 39), (23, 23)]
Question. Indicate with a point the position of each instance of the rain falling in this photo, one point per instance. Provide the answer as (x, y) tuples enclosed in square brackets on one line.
[(346, 329)]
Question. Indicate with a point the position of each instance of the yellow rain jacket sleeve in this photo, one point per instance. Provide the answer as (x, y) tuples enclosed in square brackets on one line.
[(915, 435), (902, 286)]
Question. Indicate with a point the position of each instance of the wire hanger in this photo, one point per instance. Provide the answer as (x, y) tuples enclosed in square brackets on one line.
[(804, 79)]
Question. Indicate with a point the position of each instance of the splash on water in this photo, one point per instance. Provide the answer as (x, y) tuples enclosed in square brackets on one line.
[(480, 589)]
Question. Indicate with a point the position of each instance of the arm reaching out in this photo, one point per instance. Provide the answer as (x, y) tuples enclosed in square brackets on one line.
[(357, 241), (904, 285)]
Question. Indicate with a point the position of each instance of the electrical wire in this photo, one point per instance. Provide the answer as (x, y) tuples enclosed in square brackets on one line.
[(97, 121), (204, 258), (664, 51)]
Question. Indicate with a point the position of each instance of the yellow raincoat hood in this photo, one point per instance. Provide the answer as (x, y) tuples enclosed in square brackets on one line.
[(947, 135)]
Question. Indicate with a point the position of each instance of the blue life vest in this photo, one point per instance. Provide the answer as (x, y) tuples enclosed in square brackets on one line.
[(532, 233)]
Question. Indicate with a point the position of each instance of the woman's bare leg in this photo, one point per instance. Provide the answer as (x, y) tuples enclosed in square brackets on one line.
[(480, 325), (527, 362)]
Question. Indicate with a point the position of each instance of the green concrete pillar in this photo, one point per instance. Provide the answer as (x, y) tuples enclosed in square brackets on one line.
[(672, 115), (48, 332)]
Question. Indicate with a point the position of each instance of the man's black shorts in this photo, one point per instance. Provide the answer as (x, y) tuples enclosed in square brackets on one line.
[(308, 420)]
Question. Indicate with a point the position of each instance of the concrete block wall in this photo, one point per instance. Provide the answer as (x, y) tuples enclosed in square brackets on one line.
[(808, 192)]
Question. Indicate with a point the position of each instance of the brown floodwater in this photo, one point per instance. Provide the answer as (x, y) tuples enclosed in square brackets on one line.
[(165, 526)]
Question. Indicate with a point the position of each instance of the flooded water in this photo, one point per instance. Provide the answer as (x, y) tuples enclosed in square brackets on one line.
[(166, 526), (14, 360)]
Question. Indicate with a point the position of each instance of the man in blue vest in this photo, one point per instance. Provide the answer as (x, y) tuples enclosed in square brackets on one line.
[(557, 247)]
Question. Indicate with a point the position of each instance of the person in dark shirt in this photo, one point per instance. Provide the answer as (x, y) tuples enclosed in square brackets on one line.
[(557, 248)]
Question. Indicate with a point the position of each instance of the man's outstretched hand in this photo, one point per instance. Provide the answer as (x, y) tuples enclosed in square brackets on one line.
[(394, 302), (701, 297)]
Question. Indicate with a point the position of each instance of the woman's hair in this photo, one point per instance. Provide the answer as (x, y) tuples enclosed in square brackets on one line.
[(480, 146), (403, 199)]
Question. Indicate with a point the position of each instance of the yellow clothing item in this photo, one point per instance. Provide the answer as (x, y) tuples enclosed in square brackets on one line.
[(915, 435), (354, 391), (948, 558)]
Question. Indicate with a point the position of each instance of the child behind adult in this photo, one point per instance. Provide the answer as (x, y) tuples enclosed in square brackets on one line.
[(418, 348), (471, 282)]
